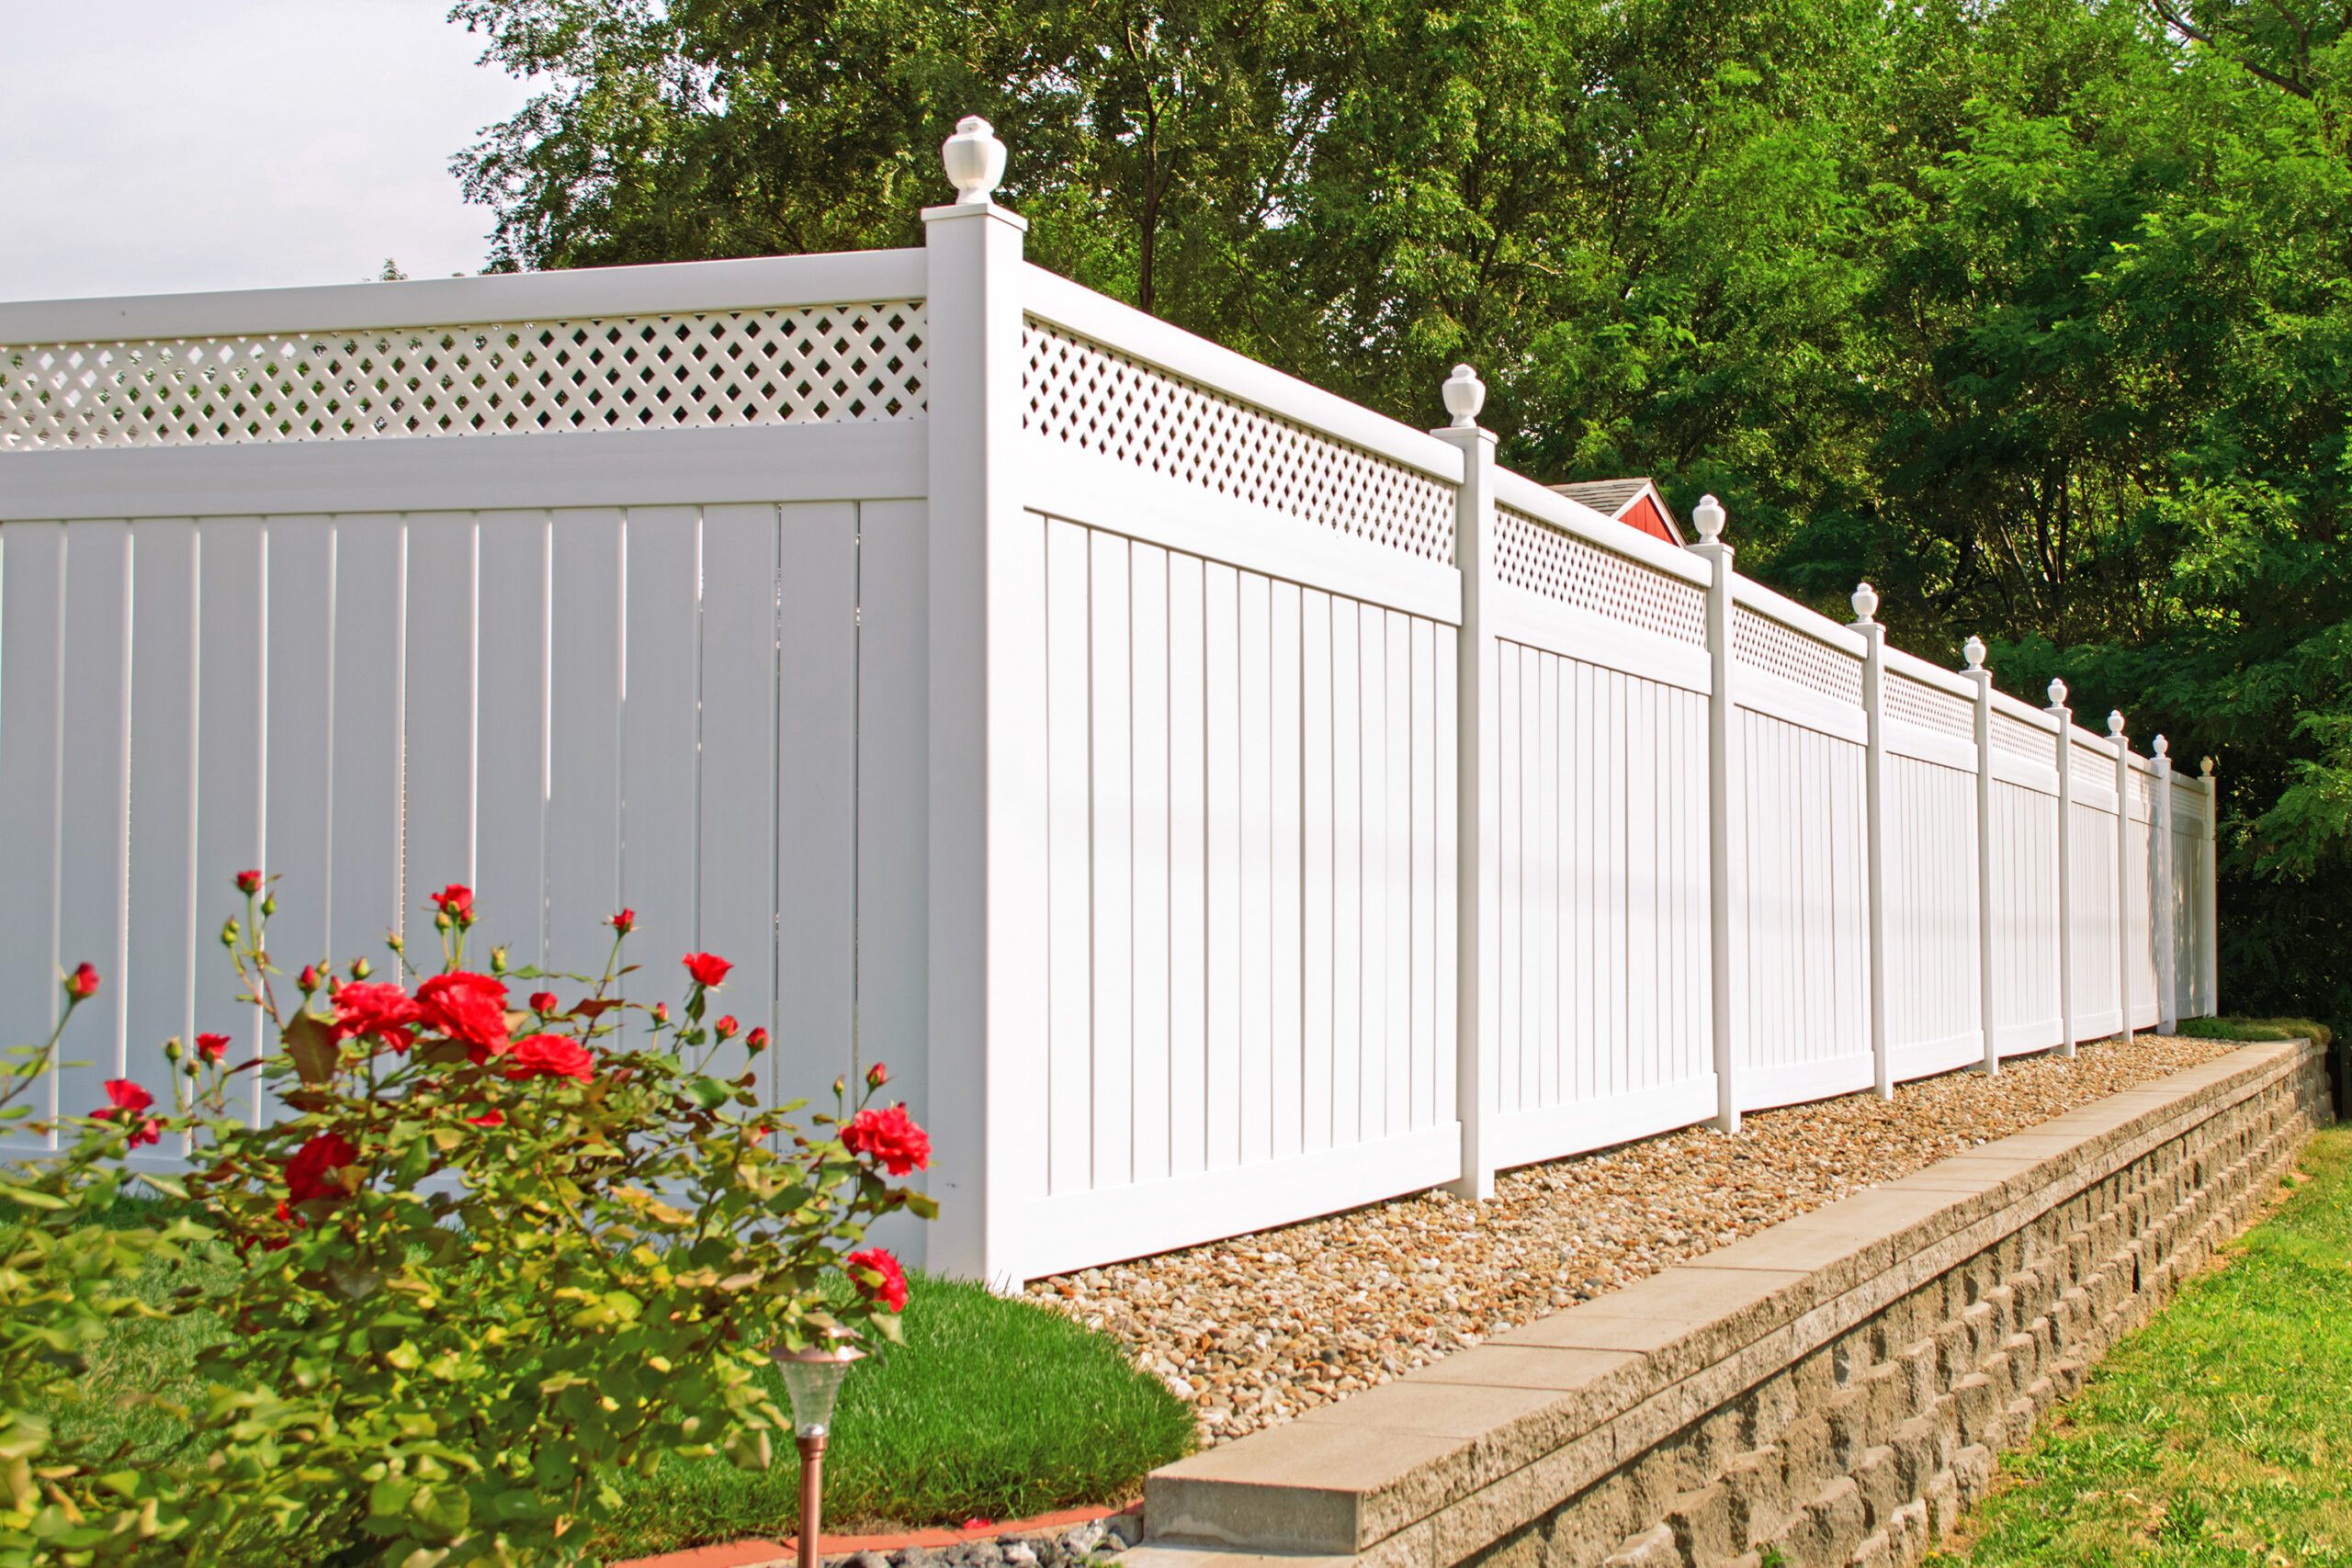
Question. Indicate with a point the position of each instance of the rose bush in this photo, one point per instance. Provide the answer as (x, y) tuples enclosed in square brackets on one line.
[(487, 1255)]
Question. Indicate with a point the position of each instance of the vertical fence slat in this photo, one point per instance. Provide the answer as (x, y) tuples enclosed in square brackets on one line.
[(1285, 869), (232, 710), (1149, 643), (164, 951), (737, 797), (512, 730), (1069, 936), (1111, 855), (366, 706), (1188, 1134), (93, 839), (440, 717), (660, 728), (583, 845)]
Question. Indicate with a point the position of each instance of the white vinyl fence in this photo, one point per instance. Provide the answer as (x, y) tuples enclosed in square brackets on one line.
[(1218, 803)]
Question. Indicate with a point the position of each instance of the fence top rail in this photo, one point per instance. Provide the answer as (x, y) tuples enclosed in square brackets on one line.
[(669, 288), (1903, 662), (1554, 510), (1075, 309), (1755, 596)]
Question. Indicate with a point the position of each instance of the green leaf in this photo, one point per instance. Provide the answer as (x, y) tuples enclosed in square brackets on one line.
[(310, 1043)]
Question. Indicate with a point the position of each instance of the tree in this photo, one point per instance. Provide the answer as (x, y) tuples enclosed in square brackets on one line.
[(2032, 311)]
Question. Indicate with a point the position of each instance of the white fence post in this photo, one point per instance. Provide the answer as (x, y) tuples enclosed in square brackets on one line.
[(2066, 717), (2122, 874), (1723, 863), (1476, 970), (1977, 673), (2209, 919), (2160, 900), (986, 816), (1875, 825)]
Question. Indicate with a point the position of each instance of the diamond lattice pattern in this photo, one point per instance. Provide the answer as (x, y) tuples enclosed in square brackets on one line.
[(830, 363), (2018, 738), (1078, 391), (1916, 702), (1532, 554), (1766, 644)]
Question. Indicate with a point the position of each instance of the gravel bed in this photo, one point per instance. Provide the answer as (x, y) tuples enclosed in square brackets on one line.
[(1098, 1542), (1257, 1329)]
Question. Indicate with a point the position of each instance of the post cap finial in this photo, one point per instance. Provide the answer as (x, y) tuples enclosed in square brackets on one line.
[(2162, 747), (2057, 694), (1972, 650), (2115, 722), (1708, 516), (975, 160), (2205, 766), (1464, 396), (1865, 603)]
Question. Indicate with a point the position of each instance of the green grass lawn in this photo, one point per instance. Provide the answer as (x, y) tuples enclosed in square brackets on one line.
[(993, 1407), (2222, 1432)]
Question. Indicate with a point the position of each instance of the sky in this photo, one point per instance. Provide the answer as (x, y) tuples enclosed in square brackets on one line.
[(157, 146)]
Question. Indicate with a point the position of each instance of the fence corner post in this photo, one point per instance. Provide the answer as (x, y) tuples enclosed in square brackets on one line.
[(2122, 875), (2066, 717), (1973, 651), (1874, 824), (984, 882), (1475, 966), (1722, 861), (2161, 897), (2208, 933)]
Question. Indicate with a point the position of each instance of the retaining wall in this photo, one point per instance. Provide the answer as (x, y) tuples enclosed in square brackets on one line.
[(1834, 1390)]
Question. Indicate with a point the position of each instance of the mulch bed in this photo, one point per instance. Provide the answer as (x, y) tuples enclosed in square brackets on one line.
[(1257, 1329)]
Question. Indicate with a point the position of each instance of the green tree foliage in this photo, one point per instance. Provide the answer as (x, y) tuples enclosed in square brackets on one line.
[(2036, 312)]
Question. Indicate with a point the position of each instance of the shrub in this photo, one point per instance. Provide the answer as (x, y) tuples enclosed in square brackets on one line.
[(487, 1257)]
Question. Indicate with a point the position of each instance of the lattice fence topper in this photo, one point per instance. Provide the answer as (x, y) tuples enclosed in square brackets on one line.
[(1531, 554), (825, 363), (1766, 644), (2015, 736), (2091, 764), (1099, 401), (1930, 708)]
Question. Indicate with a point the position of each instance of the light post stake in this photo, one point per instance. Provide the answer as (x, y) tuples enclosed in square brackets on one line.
[(812, 1378)]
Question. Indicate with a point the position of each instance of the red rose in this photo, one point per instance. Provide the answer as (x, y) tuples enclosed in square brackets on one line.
[(125, 1102), (468, 1007), (457, 901), (708, 968), (726, 1026), (308, 1173), (890, 1137), (249, 882), (624, 922), (756, 1042), (550, 1057), (545, 1003), (876, 1075), (490, 1118), (890, 1290), (83, 982), (211, 1047), (372, 1010)]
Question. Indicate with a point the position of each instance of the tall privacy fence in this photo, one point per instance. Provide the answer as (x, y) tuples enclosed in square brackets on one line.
[(1218, 803)]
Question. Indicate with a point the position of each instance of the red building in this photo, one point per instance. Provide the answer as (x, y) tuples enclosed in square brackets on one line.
[(1633, 501)]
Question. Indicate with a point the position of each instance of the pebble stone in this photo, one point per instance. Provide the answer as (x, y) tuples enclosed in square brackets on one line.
[(1096, 1542), (1258, 1329)]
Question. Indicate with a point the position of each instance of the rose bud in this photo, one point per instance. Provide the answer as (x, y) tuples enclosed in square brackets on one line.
[(172, 1049), (229, 932), (876, 1075), (497, 958), (544, 1003), (82, 983), (211, 1047), (392, 940), (361, 969), (662, 1012), (269, 904), (841, 1087), (249, 882), (756, 1042), (307, 980), (726, 1026), (624, 922)]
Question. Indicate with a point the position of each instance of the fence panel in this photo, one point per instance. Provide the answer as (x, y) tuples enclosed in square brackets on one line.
[(1804, 984), (2188, 911), (2025, 879), (2142, 932), (2093, 865), (1928, 824), (1601, 1023)]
